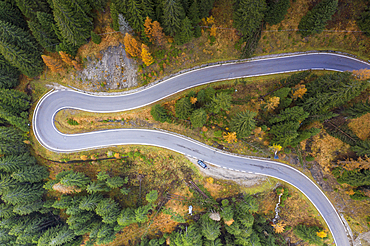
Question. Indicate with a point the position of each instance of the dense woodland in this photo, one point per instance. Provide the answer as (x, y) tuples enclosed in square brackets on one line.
[(30, 30)]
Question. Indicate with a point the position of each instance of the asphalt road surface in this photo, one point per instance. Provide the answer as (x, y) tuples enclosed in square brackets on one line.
[(52, 139)]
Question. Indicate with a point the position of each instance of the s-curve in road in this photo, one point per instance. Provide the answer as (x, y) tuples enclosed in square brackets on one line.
[(47, 134)]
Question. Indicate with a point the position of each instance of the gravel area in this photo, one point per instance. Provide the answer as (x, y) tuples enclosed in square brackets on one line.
[(114, 71), (363, 239)]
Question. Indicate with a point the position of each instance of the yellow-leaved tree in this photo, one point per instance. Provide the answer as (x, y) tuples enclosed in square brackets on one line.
[(131, 45), (272, 103), (322, 234), (148, 29), (158, 34), (193, 100), (230, 137), (299, 91), (279, 227), (145, 55)]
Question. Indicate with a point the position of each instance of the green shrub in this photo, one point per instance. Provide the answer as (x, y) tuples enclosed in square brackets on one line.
[(95, 38), (310, 158), (287, 151)]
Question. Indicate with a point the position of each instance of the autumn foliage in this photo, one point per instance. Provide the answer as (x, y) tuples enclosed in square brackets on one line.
[(66, 58), (145, 55), (76, 65), (279, 227), (299, 91), (362, 74), (193, 100), (154, 32), (230, 137), (131, 45), (54, 65), (272, 103)]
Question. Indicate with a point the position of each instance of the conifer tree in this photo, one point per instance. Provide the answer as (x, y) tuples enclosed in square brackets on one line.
[(145, 55), (194, 13), (42, 29), (109, 210), (198, 118), (9, 75), (159, 113), (98, 4), (205, 7), (126, 217), (63, 203), (131, 45), (248, 15), (10, 134), (97, 186), (173, 13), (28, 208), (11, 14), (183, 108), (115, 182), (210, 228), (243, 123), (19, 122), (12, 148), (12, 163), (6, 210), (186, 33), (24, 193), (95, 38), (315, 20), (276, 11), (114, 16), (134, 15), (147, 8), (30, 7), (31, 174), (75, 179), (221, 101), (72, 20), (90, 202), (54, 65), (17, 101), (15, 47)]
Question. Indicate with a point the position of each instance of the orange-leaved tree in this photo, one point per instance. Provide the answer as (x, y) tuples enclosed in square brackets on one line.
[(131, 45), (230, 137), (158, 34), (66, 58), (54, 65), (272, 103), (362, 74), (145, 55), (148, 29), (76, 65)]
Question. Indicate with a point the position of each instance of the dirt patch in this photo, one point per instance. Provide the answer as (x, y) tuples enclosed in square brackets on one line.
[(113, 71), (245, 179)]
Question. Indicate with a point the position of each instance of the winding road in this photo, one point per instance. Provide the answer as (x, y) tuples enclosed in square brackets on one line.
[(48, 136)]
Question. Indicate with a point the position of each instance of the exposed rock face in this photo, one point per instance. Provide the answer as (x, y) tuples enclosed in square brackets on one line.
[(114, 71), (215, 216)]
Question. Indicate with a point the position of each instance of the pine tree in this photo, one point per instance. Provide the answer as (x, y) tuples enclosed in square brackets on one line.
[(248, 15), (173, 13), (358, 109), (95, 38), (11, 14), (31, 174), (115, 182), (145, 55), (243, 123), (58, 236), (6, 210), (276, 11), (42, 29), (73, 21), (109, 210), (10, 134), (159, 113), (152, 196), (198, 118), (362, 148), (9, 75), (12, 148), (24, 193), (284, 134), (295, 113), (97, 186), (126, 217), (186, 33), (102, 176), (90, 202), (28, 208), (63, 203), (141, 214), (308, 234), (147, 8), (194, 13), (221, 101), (15, 47), (315, 20), (16, 100), (114, 16), (189, 237), (183, 108), (82, 223), (30, 7), (210, 228), (75, 179), (134, 15), (131, 46), (98, 4)]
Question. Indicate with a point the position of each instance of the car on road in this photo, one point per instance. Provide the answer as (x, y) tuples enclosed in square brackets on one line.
[(201, 163)]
